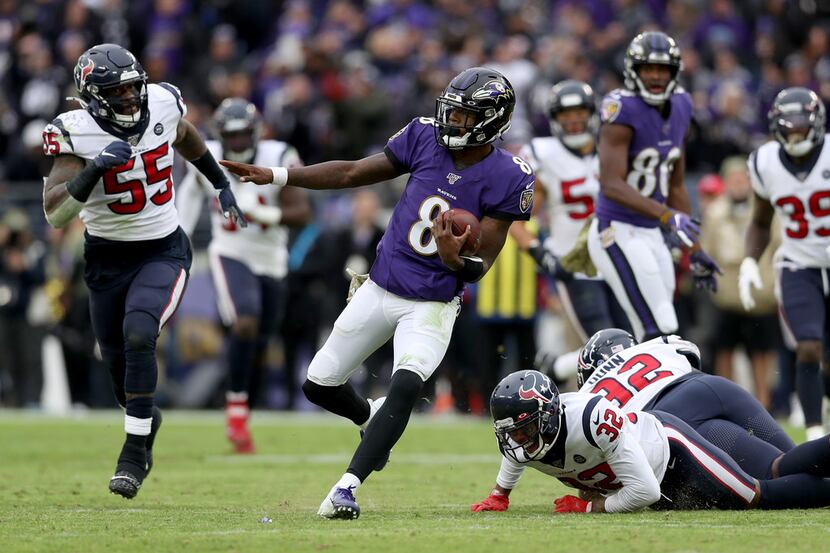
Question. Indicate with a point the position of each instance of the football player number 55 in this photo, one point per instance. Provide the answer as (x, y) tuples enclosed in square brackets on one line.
[(138, 196)]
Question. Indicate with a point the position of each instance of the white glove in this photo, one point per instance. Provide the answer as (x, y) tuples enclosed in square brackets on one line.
[(749, 277), (356, 282)]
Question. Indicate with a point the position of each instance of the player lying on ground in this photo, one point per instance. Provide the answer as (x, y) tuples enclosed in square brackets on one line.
[(412, 292), (663, 374), (629, 461)]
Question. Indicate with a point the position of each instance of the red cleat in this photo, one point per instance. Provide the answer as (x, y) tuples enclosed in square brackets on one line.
[(237, 427)]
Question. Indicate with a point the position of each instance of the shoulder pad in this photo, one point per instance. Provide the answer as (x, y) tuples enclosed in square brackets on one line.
[(56, 139)]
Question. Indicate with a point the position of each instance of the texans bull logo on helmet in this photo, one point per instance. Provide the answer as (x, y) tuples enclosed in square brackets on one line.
[(532, 392)]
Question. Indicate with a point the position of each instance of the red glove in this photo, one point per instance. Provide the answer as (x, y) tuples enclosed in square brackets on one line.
[(494, 502), (572, 504)]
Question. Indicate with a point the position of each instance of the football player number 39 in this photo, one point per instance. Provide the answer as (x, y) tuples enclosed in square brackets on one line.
[(420, 234), (138, 196)]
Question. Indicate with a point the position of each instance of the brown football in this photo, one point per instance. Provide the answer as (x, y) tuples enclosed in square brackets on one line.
[(460, 219)]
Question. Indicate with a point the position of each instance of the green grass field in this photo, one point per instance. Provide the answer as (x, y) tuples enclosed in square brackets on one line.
[(54, 474)]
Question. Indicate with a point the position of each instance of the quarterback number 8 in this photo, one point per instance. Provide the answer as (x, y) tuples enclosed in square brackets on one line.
[(647, 170), (420, 234)]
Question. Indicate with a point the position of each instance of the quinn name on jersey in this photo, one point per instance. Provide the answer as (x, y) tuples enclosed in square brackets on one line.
[(134, 201), (600, 448), (632, 378), (261, 247), (571, 188), (801, 197)]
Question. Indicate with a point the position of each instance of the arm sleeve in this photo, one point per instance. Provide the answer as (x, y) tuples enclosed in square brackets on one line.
[(627, 460), (189, 199), (509, 473)]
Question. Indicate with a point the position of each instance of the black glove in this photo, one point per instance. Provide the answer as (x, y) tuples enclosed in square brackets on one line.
[(549, 263), (230, 208), (115, 154), (703, 271)]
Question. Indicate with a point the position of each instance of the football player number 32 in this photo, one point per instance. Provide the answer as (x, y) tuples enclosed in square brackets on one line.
[(138, 196)]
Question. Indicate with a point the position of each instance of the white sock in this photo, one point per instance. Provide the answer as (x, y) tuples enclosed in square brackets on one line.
[(566, 364), (350, 481)]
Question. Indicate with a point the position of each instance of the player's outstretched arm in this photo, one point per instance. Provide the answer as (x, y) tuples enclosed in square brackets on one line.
[(329, 175)]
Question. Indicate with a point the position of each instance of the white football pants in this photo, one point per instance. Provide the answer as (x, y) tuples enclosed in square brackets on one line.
[(422, 331), (637, 265)]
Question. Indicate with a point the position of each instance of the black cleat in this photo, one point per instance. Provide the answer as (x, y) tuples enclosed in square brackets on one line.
[(156, 424), (125, 484)]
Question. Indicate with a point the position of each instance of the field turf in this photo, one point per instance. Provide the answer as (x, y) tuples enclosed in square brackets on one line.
[(54, 474)]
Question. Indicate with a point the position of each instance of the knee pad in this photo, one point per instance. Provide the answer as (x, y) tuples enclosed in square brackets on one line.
[(140, 332), (324, 369)]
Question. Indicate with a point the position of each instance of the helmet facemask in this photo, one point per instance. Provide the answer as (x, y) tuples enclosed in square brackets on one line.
[(117, 106), (651, 98), (798, 133), (575, 140), (460, 126), (530, 436)]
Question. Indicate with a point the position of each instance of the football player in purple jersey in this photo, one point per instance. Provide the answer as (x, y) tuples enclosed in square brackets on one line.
[(411, 293), (642, 163)]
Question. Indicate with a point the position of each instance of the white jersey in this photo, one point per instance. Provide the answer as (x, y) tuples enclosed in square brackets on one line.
[(134, 201), (571, 185), (600, 448), (263, 248), (801, 197), (633, 377)]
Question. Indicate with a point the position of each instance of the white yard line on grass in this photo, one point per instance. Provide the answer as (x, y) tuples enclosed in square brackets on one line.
[(335, 458)]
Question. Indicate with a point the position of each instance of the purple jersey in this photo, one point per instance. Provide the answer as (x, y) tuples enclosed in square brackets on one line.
[(655, 147), (499, 186)]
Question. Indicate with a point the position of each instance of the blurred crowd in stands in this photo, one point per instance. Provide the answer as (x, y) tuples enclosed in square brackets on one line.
[(336, 78)]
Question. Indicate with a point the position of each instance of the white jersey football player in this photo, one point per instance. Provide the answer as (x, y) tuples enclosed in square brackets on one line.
[(566, 168), (625, 462), (247, 264), (790, 177), (664, 374), (113, 166)]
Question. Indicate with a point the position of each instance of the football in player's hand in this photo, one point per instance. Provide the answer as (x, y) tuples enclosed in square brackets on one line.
[(460, 219)]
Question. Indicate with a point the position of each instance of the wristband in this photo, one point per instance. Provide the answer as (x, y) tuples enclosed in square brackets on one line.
[(666, 216), (211, 170), (80, 186), (280, 175), (472, 270)]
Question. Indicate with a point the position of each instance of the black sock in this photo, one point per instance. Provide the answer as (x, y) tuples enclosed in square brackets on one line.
[(151, 438), (811, 457), (341, 400), (241, 354), (795, 491), (388, 424), (808, 383), (133, 456)]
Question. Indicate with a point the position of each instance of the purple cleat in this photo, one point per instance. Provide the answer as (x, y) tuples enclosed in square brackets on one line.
[(339, 504)]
